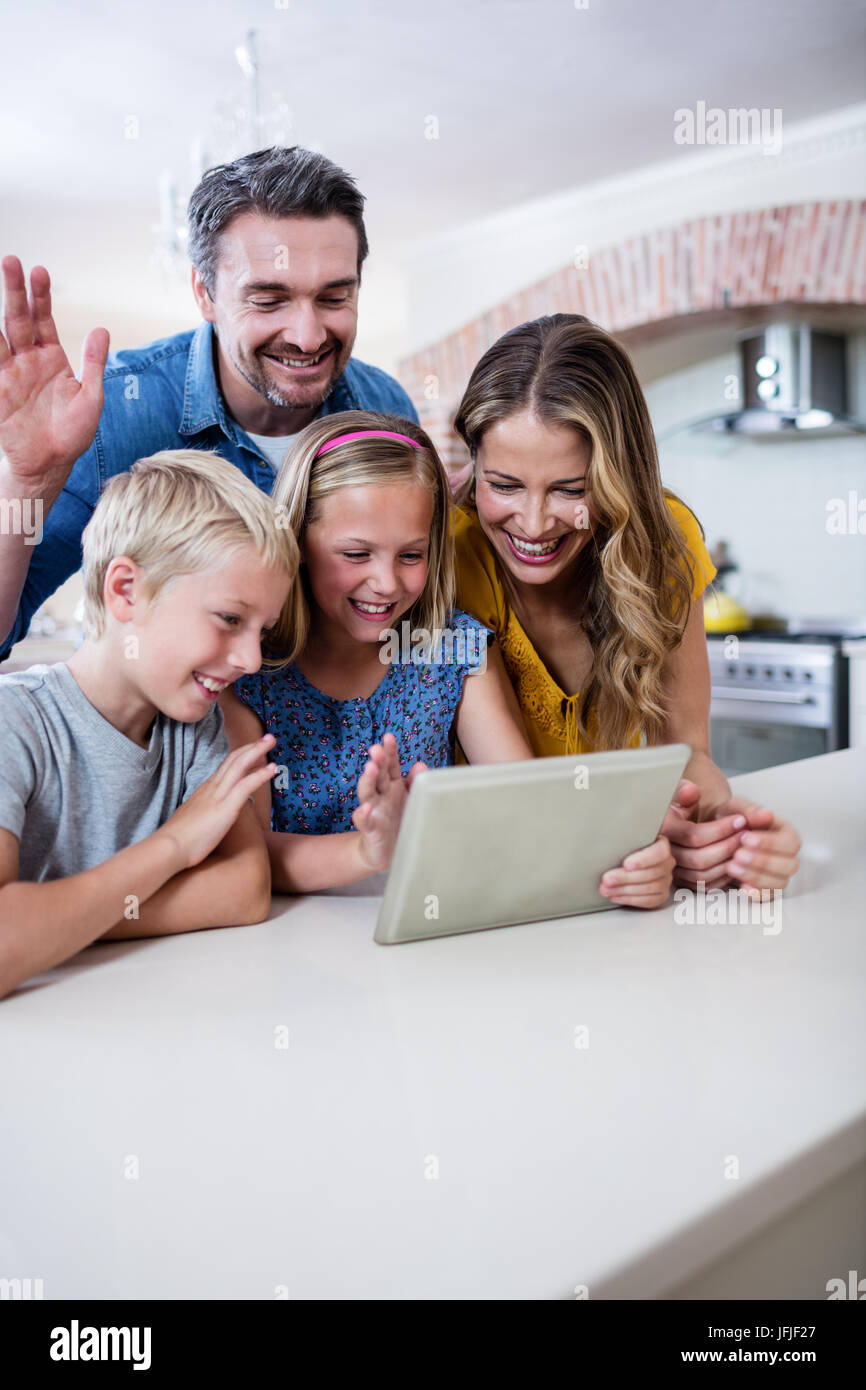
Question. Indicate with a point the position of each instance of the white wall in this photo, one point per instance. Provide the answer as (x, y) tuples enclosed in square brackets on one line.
[(768, 499), (453, 279)]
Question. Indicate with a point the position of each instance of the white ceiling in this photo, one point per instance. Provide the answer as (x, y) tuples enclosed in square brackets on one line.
[(532, 97)]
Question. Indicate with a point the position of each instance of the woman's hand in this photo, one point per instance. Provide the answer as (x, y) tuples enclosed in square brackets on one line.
[(701, 849), (382, 796), (643, 879), (742, 842)]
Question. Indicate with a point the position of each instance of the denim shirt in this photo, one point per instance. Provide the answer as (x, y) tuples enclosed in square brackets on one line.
[(165, 396)]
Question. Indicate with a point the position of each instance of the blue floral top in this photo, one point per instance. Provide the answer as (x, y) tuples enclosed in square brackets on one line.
[(322, 744)]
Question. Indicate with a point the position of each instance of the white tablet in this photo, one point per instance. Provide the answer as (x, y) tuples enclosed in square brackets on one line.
[(494, 845)]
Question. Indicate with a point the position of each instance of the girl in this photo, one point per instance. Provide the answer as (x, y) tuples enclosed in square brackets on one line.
[(369, 501), (591, 574)]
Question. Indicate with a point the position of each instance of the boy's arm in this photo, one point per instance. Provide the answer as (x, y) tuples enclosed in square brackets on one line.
[(231, 888), (41, 924)]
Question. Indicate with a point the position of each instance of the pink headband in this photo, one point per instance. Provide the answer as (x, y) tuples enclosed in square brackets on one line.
[(363, 434)]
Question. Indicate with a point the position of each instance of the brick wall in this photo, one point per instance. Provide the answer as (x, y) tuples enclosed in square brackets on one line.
[(807, 253)]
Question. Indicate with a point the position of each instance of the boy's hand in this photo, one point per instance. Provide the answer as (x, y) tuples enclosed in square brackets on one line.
[(206, 817), (382, 796), (644, 877), (47, 418)]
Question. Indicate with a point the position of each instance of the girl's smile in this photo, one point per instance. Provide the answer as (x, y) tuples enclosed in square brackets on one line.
[(366, 556), (371, 612)]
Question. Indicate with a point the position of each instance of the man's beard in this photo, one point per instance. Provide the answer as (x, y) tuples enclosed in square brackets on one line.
[(261, 382)]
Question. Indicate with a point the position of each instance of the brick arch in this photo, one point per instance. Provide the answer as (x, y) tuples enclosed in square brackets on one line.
[(808, 253)]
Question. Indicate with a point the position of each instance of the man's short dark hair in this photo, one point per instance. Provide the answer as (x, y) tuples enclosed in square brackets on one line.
[(278, 182)]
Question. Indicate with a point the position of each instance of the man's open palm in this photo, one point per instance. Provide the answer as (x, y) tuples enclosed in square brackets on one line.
[(47, 417)]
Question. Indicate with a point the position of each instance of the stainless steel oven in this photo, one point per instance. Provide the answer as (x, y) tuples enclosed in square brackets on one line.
[(776, 698)]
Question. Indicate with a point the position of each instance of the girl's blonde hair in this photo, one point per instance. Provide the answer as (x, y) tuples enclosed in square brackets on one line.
[(304, 480), (635, 573), (178, 512)]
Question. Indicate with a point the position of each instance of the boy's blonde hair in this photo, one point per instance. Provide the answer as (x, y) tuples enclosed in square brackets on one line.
[(178, 512), (304, 480)]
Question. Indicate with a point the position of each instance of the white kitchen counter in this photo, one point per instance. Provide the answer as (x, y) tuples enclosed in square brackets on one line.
[(310, 1169), (855, 650)]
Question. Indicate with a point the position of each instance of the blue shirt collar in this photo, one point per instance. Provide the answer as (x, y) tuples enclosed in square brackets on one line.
[(203, 405), (202, 402)]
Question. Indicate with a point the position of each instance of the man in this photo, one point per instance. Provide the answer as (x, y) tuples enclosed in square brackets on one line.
[(277, 243)]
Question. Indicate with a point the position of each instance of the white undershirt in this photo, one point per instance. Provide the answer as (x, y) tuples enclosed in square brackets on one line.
[(273, 446)]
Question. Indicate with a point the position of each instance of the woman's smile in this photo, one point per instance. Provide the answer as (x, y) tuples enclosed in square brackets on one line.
[(534, 552)]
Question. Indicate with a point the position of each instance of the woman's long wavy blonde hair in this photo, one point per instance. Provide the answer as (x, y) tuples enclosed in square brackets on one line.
[(633, 580), (304, 479)]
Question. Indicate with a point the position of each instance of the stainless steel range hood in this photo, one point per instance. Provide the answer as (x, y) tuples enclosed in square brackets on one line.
[(792, 384)]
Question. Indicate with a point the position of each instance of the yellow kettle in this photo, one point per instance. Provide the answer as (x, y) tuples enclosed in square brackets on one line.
[(723, 613)]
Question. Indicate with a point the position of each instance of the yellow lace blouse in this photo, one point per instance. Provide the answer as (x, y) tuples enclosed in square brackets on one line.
[(549, 713)]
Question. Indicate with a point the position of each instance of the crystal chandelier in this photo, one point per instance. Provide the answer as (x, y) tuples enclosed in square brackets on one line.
[(239, 125)]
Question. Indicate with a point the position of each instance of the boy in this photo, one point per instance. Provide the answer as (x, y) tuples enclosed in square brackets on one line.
[(122, 812)]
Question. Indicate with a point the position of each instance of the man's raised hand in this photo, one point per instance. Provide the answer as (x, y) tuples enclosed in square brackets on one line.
[(47, 417)]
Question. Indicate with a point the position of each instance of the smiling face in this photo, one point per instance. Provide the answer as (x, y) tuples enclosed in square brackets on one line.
[(202, 630), (531, 496), (285, 308), (366, 553)]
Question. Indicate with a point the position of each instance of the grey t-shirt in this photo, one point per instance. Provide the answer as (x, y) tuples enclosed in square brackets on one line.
[(73, 789)]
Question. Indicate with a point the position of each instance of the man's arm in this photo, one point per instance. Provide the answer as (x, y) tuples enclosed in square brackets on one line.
[(405, 406), (47, 421), (395, 398), (36, 574), (231, 888)]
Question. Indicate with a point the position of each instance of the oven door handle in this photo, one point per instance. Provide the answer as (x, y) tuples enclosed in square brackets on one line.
[(769, 697)]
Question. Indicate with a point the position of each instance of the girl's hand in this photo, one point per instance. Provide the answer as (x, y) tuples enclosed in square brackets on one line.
[(742, 842), (767, 857), (643, 879), (382, 796)]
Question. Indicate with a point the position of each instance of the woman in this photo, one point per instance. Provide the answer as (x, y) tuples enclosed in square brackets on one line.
[(591, 573)]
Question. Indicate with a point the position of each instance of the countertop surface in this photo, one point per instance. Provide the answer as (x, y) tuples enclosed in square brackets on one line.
[(289, 1109)]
